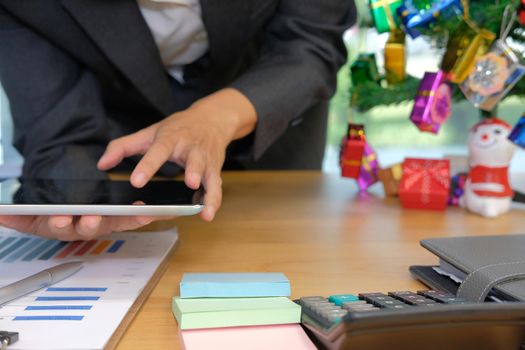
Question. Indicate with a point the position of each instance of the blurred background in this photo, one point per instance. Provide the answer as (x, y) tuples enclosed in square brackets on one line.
[(388, 128)]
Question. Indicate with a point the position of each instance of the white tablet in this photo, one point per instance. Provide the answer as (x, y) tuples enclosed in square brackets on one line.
[(87, 197)]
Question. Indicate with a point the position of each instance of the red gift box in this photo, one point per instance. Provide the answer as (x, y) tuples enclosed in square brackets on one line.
[(351, 158), (352, 151), (425, 184)]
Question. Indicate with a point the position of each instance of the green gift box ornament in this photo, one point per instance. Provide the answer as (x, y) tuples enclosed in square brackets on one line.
[(365, 69), (384, 14)]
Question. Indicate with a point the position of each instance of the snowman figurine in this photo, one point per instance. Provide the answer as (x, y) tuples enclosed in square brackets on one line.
[(487, 190)]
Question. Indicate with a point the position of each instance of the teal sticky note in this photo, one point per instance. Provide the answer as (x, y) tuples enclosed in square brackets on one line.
[(234, 285), (234, 312)]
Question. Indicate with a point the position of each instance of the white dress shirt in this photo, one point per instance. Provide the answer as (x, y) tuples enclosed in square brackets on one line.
[(178, 30)]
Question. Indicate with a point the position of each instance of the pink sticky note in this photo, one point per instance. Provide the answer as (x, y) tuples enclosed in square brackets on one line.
[(276, 337)]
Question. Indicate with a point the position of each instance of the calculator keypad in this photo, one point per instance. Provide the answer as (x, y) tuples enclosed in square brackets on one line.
[(330, 311)]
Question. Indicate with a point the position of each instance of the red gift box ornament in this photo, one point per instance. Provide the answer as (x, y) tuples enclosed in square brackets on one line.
[(352, 150), (425, 184)]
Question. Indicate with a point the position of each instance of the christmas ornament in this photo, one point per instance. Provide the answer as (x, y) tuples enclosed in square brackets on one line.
[(517, 136), (425, 184), (414, 19), (384, 14), (390, 178), (496, 72), (521, 12), (466, 44), (457, 188), (432, 104), (364, 69), (395, 57), (487, 190), (369, 167), (352, 150)]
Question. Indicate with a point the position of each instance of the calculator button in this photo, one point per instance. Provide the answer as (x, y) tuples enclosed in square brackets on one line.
[(411, 298), (342, 298), (434, 294), (349, 307), (334, 316), (372, 309), (451, 300), (370, 295), (313, 300), (353, 303)]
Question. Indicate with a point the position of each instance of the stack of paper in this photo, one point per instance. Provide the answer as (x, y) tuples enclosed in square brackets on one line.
[(229, 309)]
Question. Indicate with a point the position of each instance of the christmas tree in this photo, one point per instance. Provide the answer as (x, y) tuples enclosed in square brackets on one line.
[(486, 15), (478, 49), (384, 104)]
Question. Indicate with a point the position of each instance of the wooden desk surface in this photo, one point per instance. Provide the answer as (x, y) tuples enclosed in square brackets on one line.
[(316, 229)]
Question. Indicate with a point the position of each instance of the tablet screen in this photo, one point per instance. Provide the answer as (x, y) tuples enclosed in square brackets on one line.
[(93, 192)]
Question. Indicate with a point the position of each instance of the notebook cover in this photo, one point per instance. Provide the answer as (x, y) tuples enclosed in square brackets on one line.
[(471, 253), (233, 312), (234, 285)]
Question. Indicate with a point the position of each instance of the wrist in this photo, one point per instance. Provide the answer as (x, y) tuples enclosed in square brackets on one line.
[(231, 109)]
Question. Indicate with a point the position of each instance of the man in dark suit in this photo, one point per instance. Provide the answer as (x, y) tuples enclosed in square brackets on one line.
[(80, 74)]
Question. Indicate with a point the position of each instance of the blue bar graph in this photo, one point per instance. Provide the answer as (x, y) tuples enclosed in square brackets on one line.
[(7, 241), (75, 289), (27, 248), (116, 246), (55, 249), (20, 242), (39, 250), (58, 307), (48, 318), (81, 298)]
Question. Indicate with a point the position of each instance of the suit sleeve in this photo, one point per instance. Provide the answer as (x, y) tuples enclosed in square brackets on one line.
[(56, 105), (302, 51)]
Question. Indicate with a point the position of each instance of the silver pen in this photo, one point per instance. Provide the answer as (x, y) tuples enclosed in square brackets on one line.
[(38, 281)]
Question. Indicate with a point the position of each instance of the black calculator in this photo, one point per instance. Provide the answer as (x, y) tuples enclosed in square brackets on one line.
[(403, 320)]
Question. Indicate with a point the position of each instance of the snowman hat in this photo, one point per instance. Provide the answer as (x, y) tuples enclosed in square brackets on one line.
[(491, 121)]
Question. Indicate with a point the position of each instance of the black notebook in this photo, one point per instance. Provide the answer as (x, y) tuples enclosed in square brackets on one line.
[(477, 267)]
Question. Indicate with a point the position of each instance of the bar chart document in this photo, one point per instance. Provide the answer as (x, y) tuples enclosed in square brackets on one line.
[(84, 310)]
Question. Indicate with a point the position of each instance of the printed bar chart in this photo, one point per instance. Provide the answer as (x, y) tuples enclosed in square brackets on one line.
[(91, 304), (49, 318), (29, 249), (69, 305), (58, 307)]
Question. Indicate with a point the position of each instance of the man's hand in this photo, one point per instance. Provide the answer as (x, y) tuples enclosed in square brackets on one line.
[(195, 139), (69, 228)]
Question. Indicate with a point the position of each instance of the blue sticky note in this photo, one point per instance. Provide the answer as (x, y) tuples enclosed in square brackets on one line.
[(234, 285)]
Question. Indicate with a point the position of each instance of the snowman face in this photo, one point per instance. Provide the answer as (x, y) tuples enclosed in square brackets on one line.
[(489, 146)]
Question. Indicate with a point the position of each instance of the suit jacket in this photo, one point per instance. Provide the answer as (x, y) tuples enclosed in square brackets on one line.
[(79, 73)]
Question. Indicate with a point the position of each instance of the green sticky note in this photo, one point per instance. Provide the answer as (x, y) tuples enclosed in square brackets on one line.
[(234, 312)]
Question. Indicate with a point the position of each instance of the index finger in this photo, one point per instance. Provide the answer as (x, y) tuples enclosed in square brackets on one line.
[(158, 154)]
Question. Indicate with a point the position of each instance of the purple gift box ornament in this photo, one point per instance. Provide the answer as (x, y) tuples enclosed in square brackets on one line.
[(518, 133), (369, 167), (432, 103), (457, 188)]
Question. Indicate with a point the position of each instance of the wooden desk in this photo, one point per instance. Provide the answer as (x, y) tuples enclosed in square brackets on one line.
[(315, 228)]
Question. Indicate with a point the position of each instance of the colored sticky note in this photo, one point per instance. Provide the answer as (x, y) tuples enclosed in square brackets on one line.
[(233, 312), (234, 285), (277, 337)]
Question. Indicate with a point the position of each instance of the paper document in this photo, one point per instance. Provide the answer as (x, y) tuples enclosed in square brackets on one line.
[(84, 310)]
